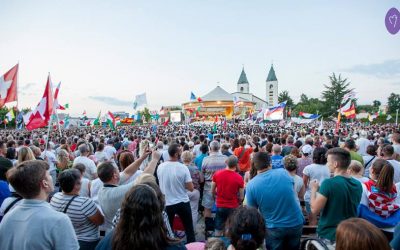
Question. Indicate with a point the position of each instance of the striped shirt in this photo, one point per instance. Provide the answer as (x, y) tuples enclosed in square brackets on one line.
[(213, 163), (78, 211)]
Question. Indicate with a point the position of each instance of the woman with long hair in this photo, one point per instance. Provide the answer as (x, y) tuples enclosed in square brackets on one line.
[(25, 154), (380, 194), (141, 224)]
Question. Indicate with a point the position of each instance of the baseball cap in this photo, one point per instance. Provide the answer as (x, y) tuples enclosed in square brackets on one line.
[(306, 149)]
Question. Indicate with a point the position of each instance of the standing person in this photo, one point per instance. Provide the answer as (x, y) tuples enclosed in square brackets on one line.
[(91, 170), (289, 146), (369, 158), (100, 155), (338, 197), (380, 194), (197, 178), (362, 143), (211, 164), (350, 146), (50, 156), (280, 209), (82, 211), (317, 171), (243, 155), (110, 150), (227, 189), (277, 158), (33, 224), (290, 163), (200, 157), (175, 179), (396, 144), (112, 193), (5, 164), (356, 170), (388, 154), (305, 160)]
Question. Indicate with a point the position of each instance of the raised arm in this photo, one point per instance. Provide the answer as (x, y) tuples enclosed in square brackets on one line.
[(134, 166)]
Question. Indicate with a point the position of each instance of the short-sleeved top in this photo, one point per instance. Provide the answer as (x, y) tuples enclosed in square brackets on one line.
[(228, 184), (277, 161), (315, 172), (195, 174), (211, 164), (244, 161), (173, 176), (78, 211), (343, 197), (298, 184), (357, 157), (90, 166), (198, 161), (272, 192)]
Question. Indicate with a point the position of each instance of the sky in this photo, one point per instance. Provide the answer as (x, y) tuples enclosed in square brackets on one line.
[(107, 52)]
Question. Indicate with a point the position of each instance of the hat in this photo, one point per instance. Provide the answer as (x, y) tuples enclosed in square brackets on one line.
[(306, 149), (355, 136), (191, 144)]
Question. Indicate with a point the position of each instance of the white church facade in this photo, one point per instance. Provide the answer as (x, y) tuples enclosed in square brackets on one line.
[(271, 91)]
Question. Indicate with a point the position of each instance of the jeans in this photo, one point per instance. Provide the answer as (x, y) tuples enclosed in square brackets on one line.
[(87, 245), (184, 212), (221, 217), (285, 238)]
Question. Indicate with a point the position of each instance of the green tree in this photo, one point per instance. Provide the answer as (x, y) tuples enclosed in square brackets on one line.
[(393, 102), (312, 106), (366, 108), (145, 114), (333, 94), (284, 96), (303, 98)]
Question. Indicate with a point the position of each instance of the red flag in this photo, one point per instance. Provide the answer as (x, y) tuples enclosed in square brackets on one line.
[(351, 112), (56, 104), (199, 99), (216, 119), (8, 86), (166, 123), (40, 117)]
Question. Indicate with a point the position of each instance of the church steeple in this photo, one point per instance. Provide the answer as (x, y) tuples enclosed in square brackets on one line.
[(271, 95), (243, 77), (243, 83), (271, 75)]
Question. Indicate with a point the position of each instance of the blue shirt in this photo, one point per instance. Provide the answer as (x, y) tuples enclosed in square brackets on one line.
[(4, 191), (198, 161), (272, 192), (277, 161)]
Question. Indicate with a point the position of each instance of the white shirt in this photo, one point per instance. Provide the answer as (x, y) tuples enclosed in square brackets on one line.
[(110, 151), (91, 170), (315, 172), (396, 166), (101, 156), (362, 144), (173, 177), (51, 159)]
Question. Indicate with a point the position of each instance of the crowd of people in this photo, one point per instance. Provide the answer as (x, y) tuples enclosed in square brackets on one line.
[(193, 187)]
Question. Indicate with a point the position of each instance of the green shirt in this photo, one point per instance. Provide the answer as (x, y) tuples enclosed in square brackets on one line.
[(343, 196), (357, 157)]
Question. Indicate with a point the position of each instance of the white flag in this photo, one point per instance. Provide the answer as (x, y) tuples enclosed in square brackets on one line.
[(350, 95), (347, 106), (388, 117), (140, 100), (321, 126)]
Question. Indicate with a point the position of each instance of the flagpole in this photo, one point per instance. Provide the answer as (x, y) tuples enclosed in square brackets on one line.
[(17, 96), (58, 122), (397, 115)]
